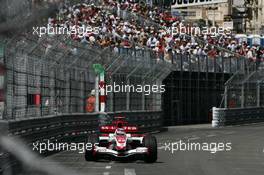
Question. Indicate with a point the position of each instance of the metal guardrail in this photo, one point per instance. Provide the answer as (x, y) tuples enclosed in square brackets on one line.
[(235, 116), (66, 128), (74, 125)]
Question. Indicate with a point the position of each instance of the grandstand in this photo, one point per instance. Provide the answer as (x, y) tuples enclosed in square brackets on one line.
[(134, 47), (49, 81)]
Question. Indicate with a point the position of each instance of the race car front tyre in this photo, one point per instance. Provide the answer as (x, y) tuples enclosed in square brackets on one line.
[(151, 143), (89, 153)]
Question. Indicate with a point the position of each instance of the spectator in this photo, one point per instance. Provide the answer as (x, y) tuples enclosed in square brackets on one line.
[(90, 102), (121, 34)]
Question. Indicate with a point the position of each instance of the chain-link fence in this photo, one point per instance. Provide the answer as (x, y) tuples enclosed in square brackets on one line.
[(53, 75), (245, 88)]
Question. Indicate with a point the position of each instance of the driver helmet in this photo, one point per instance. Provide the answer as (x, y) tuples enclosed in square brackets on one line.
[(120, 131)]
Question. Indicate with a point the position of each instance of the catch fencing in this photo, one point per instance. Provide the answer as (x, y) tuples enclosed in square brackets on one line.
[(53, 75), (245, 89), (243, 99)]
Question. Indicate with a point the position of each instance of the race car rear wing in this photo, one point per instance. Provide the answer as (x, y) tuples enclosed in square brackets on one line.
[(111, 129)]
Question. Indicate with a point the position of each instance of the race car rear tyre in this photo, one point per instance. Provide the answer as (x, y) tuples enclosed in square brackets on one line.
[(151, 143), (89, 154)]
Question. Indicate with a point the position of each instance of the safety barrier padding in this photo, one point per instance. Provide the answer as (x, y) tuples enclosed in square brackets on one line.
[(236, 116)]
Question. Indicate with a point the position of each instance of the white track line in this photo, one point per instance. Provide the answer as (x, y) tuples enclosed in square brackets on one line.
[(108, 167), (215, 150), (194, 138), (211, 135), (130, 171), (161, 147)]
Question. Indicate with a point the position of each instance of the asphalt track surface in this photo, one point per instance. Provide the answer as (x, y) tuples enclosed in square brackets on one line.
[(245, 158)]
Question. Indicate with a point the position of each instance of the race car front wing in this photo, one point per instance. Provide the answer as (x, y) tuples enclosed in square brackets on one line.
[(120, 154)]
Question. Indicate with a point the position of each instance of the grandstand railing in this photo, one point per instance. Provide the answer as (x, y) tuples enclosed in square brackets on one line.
[(147, 21)]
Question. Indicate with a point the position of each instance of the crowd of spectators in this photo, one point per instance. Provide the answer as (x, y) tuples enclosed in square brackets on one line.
[(121, 33)]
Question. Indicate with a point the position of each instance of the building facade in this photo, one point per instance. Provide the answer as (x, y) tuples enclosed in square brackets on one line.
[(256, 22), (215, 13)]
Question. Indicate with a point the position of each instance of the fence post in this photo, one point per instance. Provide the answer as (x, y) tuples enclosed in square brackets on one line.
[(157, 97), (68, 92), (143, 97), (1, 52), (243, 96), (258, 94), (111, 96), (82, 93), (128, 96), (52, 91), (3, 84), (226, 96)]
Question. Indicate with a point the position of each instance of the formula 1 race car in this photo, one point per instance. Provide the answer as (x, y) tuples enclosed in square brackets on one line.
[(119, 141)]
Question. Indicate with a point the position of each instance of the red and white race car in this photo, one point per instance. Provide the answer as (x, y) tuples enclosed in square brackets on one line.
[(119, 140)]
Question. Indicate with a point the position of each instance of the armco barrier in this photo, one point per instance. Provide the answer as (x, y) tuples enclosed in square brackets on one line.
[(66, 128), (75, 126), (63, 128), (235, 116)]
